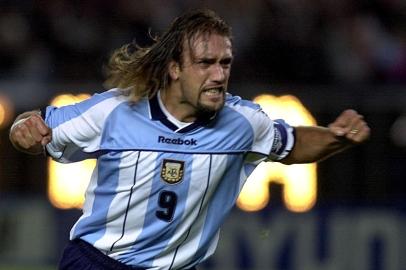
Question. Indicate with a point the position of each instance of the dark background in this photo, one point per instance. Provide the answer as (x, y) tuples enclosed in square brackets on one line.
[(330, 54)]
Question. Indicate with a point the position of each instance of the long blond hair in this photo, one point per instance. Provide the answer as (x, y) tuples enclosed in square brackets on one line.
[(144, 70)]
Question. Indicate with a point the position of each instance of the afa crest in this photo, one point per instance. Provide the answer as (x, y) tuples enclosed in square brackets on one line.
[(172, 170)]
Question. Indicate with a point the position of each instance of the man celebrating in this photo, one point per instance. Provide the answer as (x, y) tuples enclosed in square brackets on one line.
[(173, 149)]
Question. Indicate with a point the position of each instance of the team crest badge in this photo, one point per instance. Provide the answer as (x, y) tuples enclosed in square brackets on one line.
[(172, 170)]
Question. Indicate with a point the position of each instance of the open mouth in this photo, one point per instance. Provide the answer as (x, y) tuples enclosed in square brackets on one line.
[(213, 91)]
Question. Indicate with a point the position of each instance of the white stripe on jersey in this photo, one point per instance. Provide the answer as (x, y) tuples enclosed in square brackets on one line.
[(194, 221), (88, 204), (118, 236)]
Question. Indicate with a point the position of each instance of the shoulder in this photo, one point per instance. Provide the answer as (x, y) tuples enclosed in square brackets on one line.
[(103, 101), (243, 111), (117, 94), (94, 108), (238, 102), (245, 108)]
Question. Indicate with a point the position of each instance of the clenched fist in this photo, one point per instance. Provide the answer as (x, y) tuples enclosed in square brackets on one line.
[(350, 125), (29, 133)]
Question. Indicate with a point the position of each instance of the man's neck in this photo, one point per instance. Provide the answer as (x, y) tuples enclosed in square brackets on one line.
[(181, 111)]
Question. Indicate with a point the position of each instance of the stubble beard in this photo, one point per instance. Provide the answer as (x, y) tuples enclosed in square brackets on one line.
[(205, 111)]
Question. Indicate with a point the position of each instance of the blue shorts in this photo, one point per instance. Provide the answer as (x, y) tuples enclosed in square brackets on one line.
[(80, 255)]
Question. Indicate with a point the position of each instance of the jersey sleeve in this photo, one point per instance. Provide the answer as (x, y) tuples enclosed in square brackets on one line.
[(283, 140), (77, 128), (272, 139), (275, 138)]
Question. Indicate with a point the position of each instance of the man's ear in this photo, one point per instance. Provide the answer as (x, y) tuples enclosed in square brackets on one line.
[(174, 70)]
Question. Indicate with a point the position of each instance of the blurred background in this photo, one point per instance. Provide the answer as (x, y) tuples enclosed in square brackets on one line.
[(325, 55)]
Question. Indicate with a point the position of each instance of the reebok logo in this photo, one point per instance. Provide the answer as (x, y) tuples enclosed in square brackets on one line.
[(178, 141)]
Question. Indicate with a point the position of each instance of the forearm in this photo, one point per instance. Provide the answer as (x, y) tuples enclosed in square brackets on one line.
[(315, 144)]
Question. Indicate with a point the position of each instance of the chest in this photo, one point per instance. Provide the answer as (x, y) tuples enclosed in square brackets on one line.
[(135, 132)]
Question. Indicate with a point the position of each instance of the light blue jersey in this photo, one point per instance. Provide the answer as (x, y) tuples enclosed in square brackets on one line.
[(160, 193)]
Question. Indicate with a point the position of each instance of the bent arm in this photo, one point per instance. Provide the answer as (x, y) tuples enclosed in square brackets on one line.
[(317, 143)]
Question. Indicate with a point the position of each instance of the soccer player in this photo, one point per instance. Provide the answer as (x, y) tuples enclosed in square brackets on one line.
[(173, 149)]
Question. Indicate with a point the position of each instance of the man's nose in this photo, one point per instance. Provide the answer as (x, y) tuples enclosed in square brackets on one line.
[(218, 73)]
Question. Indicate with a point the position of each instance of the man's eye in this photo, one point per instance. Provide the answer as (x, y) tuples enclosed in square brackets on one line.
[(204, 63), (226, 65), (226, 62)]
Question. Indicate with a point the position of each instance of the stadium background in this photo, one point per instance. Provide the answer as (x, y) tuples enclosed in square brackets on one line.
[(330, 54)]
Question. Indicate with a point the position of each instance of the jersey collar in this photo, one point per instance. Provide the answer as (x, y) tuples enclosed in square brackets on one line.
[(158, 115)]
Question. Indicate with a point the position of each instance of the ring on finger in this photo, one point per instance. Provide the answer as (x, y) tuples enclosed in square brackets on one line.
[(354, 131)]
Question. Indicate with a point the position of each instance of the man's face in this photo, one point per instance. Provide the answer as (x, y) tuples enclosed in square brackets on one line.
[(204, 73)]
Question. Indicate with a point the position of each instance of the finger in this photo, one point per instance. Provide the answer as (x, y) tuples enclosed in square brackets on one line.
[(337, 130), (356, 126), (353, 121), (39, 123), (45, 140), (359, 134), (349, 122), (35, 135), (35, 130), (344, 119), (356, 120), (27, 134), (22, 137), (19, 139), (340, 126), (30, 130)]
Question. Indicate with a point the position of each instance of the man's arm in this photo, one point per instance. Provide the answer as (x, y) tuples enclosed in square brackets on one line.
[(29, 133), (317, 143)]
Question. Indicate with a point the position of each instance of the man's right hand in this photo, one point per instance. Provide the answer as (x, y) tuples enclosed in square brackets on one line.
[(29, 133)]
